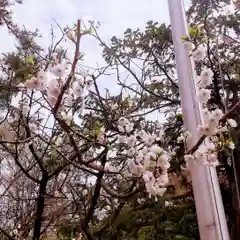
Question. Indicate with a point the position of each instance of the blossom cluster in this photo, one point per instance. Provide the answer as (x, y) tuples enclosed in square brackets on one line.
[(50, 84), (211, 120), (146, 159)]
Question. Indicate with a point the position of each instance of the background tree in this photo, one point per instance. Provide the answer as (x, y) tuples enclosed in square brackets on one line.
[(217, 27)]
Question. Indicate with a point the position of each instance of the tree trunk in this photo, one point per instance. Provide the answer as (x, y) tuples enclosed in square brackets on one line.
[(40, 207)]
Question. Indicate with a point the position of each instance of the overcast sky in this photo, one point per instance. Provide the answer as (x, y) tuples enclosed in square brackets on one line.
[(114, 15)]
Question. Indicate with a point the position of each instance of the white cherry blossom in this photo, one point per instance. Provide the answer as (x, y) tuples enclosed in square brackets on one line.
[(232, 123), (203, 95), (199, 54), (189, 46)]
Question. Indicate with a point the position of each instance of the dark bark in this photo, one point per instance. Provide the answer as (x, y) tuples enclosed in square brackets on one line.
[(5, 234), (40, 207), (90, 212)]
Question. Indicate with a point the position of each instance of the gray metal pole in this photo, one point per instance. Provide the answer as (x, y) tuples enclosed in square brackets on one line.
[(207, 195)]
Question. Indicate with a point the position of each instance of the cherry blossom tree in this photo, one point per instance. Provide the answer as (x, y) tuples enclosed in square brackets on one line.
[(76, 160)]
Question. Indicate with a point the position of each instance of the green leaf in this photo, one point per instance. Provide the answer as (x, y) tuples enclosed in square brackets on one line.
[(53, 149), (179, 115), (30, 60), (97, 131), (126, 102), (192, 31), (81, 55), (185, 38), (181, 237)]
